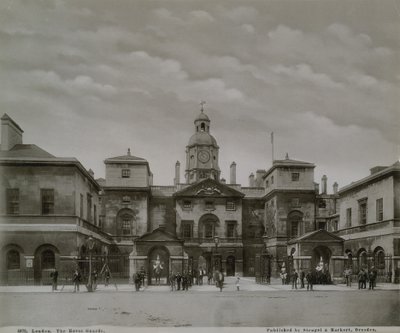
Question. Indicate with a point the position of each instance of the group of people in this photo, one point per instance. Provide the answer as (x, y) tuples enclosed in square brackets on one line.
[(180, 281), (365, 275), (312, 277), (77, 278)]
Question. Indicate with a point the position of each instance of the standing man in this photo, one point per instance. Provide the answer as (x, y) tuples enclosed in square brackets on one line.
[(54, 277), (372, 278), (295, 276), (77, 280), (302, 277), (178, 280), (309, 278)]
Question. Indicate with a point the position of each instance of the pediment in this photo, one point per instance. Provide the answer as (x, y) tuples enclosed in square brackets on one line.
[(318, 236), (158, 235), (208, 188)]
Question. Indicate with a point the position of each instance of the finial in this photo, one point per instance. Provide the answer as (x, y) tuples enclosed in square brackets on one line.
[(287, 156), (202, 105), (129, 151)]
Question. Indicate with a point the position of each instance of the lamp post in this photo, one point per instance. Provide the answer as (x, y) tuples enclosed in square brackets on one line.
[(90, 243), (217, 265)]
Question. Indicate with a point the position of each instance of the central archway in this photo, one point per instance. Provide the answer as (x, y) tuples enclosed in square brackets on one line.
[(158, 265)]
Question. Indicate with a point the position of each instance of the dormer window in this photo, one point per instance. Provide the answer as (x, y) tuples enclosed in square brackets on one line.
[(295, 176), (126, 173)]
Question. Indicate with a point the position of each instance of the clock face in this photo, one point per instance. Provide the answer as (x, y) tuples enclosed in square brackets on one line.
[(203, 156)]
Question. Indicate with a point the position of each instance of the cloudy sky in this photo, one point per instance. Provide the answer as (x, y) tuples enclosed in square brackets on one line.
[(89, 79)]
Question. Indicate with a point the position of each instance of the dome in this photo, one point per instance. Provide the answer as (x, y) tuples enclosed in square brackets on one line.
[(202, 117), (202, 138)]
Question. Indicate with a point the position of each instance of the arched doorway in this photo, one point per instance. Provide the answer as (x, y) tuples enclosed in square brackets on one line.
[(294, 224), (44, 262), (158, 265), (321, 257), (230, 266)]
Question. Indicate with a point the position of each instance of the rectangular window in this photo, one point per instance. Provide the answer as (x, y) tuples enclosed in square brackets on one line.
[(187, 204), (295, 176), (362, 204), (94, 214), (272, 180), (126, 227), (209, 231), (266, 183), (379, 209), (101, 221), (81, 207), (231, 230), (295, 202), (126, 173), (89, 207), (12, 201), (209, 205), (47, 201), (348, 217), (230, 205), (187, 230)]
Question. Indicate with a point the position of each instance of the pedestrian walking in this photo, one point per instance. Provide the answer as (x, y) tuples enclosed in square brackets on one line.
[(362, 279), (94, 279), (302, 277), (237, 282), (172, 281), (178, 280), (283, 274), (76, 279), (371, 278), (137, 279), (185, 281), (107, 275), (54, 278), (347, 276), (310, 280), (295, 276)]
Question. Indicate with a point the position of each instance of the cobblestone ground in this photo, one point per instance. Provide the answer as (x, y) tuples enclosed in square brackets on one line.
[(204, 307)]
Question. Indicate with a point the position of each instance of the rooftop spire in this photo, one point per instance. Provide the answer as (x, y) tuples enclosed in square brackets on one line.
[(202, 105), (129, 151)]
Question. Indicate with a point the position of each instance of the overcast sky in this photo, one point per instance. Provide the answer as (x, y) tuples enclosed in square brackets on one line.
[(88, 79)]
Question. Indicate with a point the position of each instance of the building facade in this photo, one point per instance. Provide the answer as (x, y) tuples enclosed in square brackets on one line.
[(50, 206)]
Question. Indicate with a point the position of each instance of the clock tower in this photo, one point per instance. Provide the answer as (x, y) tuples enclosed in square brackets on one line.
[(202, 152)]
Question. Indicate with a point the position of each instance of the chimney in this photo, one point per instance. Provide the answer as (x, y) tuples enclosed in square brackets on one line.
[(233, 173), (11, 133), (223, 181), (150, 179), (177, 179), (259, 178), (251, 180), (335, 188), (324, 181)]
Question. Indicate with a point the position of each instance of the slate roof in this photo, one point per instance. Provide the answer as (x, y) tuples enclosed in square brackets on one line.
[(26, 150)]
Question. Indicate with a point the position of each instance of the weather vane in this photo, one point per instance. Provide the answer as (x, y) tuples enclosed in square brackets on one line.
[(202, 105)]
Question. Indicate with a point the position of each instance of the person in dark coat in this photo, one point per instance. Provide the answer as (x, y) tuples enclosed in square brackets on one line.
[(185, 281), (178, 280), (54, 278), (302, 277), (137, 279), (295, 276), (372, 277), (77, 280), (310, 280)]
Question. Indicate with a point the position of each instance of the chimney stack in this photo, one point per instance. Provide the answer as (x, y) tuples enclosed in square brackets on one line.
[(11, 133), (233, 173), (251, 180), (335, 188), (324, 181), (151, 179), (177, 179)]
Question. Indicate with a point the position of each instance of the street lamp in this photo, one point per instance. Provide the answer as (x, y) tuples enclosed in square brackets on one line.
[(216, 241), (90, 243)]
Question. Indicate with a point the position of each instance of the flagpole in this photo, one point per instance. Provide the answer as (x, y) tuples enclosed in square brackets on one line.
[(272, 143)]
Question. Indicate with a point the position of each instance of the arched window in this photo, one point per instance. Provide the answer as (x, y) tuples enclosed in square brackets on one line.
[(203, 127), (362, 259), (379, 258), (13, 261), (294, 220), (48, 259)]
